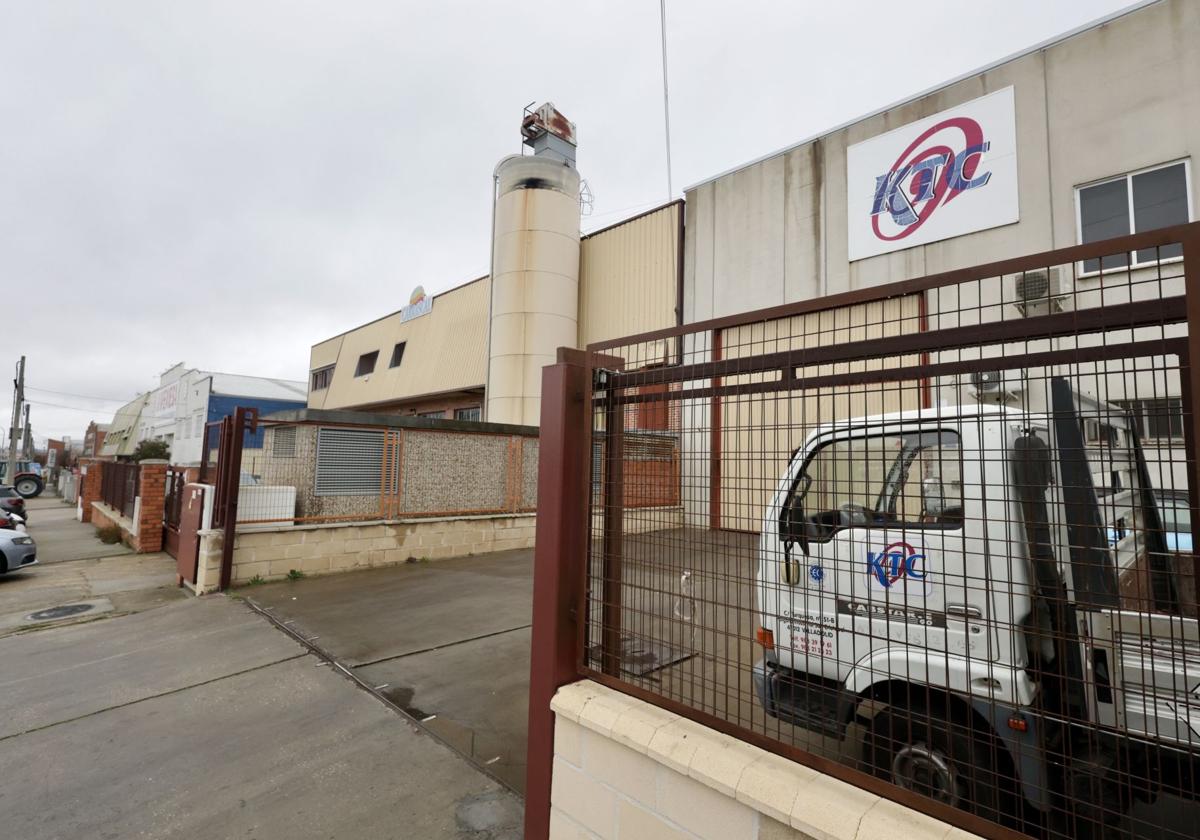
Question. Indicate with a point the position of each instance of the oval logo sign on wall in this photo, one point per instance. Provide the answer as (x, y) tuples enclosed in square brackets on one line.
[(418, 304), (940, 177)]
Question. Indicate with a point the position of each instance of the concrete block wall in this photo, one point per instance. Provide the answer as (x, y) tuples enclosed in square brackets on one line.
[(270, 553), (629, 770)]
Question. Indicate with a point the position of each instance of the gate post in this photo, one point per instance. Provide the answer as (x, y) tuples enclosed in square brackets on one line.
[(1189, 373), (152, 488), (559, 560)]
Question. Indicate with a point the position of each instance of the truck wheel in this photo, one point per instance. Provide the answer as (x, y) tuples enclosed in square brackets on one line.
[(933, 755), (28, 487)]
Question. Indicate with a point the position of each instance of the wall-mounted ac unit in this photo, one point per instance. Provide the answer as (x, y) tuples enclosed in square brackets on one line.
[(998, 385), (1042, 291)]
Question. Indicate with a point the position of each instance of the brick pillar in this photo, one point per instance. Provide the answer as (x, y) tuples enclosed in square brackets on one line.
[(152, 490), (89, 485)]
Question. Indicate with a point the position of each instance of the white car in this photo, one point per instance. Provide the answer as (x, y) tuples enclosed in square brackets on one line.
[(17, 549)]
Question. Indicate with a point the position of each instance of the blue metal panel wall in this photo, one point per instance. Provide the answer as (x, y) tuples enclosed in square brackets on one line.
[(220, 406)]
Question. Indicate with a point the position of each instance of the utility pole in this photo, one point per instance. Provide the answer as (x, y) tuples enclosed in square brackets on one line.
[(27, 440), (14, 428)]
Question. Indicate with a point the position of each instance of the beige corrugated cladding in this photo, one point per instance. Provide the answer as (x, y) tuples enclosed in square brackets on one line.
[(628, 281), (445, 350), (628, 276)]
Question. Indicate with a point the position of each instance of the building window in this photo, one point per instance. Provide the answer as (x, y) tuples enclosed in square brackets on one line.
[(397, 355), (349, 462), (283, 444), (321, 378), (471, 413), (1160, 419), (1135, 203), (432, 415), (366, 363)]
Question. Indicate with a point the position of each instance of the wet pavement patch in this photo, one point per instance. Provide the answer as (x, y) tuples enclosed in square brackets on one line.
[(494, 815)]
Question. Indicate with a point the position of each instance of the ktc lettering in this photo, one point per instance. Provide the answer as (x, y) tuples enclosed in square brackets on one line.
[(924, 178), (897, 561)]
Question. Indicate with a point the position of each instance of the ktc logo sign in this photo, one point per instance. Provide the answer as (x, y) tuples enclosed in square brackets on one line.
[(896, 563), (928, 174), (943, 176)]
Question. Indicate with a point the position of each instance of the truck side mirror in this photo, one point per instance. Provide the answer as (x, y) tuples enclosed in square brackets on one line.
[(933, 497), (793, 527)]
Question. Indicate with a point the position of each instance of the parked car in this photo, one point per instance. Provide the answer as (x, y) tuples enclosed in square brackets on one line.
[(12, 502), (17, 550), (28, 481)]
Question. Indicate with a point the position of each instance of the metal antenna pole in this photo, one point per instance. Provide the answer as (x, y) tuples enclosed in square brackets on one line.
[(18, 399), (662, 10)]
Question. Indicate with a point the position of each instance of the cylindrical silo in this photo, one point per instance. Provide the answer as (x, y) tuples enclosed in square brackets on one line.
[(535, 279)]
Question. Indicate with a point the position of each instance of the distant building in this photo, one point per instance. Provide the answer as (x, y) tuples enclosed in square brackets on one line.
[(187, 399), (93, 438)]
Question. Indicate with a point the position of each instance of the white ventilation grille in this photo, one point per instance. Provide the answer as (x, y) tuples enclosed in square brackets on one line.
[(349, 462), (284, 445)]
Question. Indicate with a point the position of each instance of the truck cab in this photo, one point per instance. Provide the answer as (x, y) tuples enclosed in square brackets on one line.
[(990, 593)]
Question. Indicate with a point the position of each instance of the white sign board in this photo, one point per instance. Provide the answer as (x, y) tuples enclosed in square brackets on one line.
[(940, 177)]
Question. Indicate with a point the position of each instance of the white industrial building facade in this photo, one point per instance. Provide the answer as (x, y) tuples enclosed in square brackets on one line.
[(1087, 137)]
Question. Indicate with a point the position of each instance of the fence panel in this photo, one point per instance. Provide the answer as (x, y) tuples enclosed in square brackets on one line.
[(935, 538), (119, 486)]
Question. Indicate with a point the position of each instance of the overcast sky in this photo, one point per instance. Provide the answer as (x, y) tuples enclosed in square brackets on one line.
[(227, 183)]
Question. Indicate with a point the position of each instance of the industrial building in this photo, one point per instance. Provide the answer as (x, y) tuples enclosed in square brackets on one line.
[(1084, 137), (187, 399)]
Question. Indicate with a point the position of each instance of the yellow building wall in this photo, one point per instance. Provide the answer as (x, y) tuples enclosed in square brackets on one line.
[(629, 276)]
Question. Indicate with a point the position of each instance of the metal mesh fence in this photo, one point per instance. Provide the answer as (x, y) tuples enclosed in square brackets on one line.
[(935, 538)]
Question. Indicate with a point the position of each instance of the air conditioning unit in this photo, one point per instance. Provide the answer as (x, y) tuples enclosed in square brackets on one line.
[(1042, 291), (998, 385)]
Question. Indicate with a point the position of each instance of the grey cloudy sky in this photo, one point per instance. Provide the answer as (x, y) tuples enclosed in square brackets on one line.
[(227, 182)]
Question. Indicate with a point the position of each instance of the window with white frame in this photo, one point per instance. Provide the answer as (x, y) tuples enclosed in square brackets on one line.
[(1136, 202)]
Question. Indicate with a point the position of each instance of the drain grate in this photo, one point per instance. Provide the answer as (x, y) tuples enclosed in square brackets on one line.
[(64, 611)]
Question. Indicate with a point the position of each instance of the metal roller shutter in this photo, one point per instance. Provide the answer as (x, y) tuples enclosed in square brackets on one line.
[(349, 462)]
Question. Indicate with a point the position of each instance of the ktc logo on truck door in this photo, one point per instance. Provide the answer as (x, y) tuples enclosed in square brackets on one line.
[(947, 175), (899, 563)]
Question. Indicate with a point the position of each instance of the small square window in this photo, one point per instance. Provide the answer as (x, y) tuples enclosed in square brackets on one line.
[(397, 355), (470, 414), (366, 363)]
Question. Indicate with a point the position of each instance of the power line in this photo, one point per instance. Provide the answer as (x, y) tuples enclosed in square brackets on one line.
[(92, 411), (71, 394)]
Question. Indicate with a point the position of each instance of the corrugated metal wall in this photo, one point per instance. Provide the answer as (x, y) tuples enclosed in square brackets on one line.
[(629, 275), (758, 432), (445, 350)]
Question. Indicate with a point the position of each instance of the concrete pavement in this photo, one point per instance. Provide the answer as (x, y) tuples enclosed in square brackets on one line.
[(447, 642), (75, 570), (200, 720), (60, 537)]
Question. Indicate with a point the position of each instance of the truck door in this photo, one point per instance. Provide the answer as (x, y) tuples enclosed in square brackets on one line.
[(1143, 650), (888, 534)]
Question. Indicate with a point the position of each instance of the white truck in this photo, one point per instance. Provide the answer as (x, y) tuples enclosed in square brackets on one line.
[(989, 594)]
